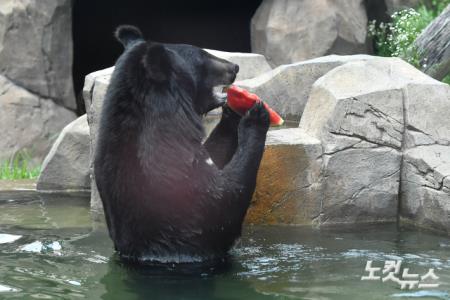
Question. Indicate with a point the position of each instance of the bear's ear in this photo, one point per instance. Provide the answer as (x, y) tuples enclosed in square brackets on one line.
[(128, 35), (157, 62)]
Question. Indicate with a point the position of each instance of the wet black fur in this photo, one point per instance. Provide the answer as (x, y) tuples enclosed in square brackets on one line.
[(163, 201)]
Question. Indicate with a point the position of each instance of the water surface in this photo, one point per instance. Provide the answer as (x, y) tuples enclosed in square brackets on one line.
[(50, 249)]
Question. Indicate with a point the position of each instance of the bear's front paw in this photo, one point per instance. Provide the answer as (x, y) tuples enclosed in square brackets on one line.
[(230, 117), (257, 117)]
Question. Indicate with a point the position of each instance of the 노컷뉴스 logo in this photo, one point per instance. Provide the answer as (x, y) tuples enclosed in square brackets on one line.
[(392, 271)]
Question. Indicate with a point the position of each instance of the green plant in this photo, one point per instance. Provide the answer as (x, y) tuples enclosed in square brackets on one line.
[(397, 37), (437, 6), (446, 79), (17, 167)]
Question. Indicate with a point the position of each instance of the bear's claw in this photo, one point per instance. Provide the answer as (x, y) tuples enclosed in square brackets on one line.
[(257, 117)]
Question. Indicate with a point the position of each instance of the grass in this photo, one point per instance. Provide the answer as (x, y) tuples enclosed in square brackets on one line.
[(446, 79), (18, 167), (397, 37)]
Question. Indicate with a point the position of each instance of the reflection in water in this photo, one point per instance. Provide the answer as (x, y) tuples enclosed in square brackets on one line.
[(65, 256), (186, 282), (159, 283)]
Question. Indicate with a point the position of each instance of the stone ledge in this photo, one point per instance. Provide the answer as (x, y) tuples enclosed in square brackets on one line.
[(25, 190), (287, 187)]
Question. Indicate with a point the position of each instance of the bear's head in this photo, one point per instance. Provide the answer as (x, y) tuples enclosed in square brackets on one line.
[(195, 71)]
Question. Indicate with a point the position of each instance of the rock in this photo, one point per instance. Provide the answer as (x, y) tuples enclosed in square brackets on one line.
[(286, 88), (287, 187), (36, 74), (425, 189), (94, 90), (66, 166), (348, 104), (250, 64), (23, 189), (29, 122), (287, 31), (425, 111), (357, 112), (361, 185), (36, 47), (425, 196)]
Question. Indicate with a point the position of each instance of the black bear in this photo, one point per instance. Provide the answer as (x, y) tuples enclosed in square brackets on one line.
[(168, 197)]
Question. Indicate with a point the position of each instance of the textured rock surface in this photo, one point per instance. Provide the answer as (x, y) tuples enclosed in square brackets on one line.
[(287, 31), (286, 88), (425, 189), (425, 197), (426, 108), (287, 187), (361, 185), (28, 121), (362, 113), (250, 64), (67, 164), (94, 90), (36, 47)]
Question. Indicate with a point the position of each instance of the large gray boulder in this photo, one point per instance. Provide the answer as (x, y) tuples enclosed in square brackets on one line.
[(366, 115), (66, 166), (287, 31), (425, 189), (36, 47), (286, 88), (29, 122), (357, 114)]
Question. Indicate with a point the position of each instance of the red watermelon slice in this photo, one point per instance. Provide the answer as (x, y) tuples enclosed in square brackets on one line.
[(241, 100)]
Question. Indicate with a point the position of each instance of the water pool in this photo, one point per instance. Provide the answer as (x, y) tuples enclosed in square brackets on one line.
[(51, 249)]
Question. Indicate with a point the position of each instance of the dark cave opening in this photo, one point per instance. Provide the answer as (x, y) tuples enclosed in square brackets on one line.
[(221, 25)]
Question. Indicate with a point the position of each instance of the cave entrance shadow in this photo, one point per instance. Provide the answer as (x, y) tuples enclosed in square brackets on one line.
[(222, 25)]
